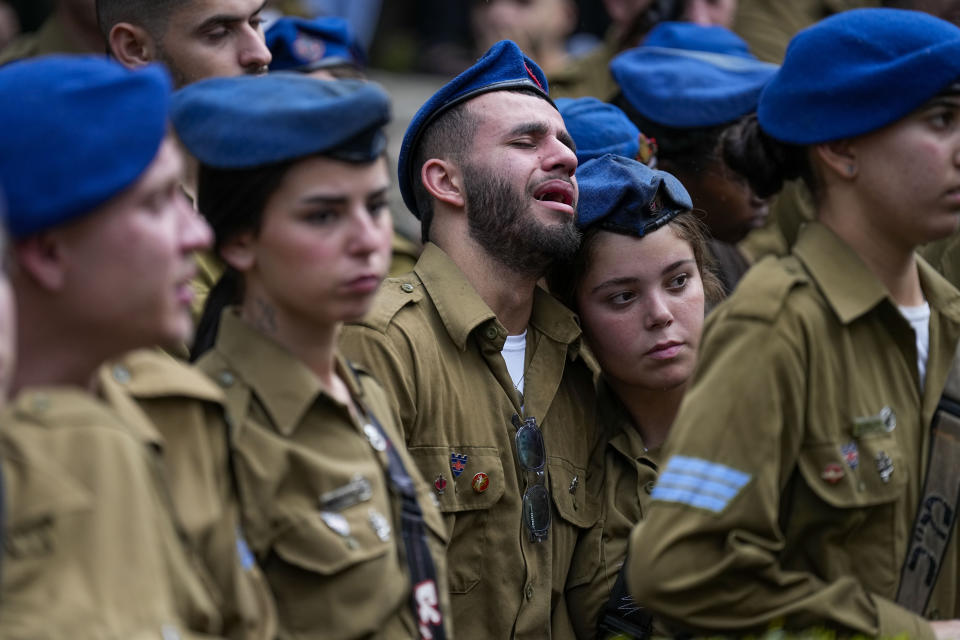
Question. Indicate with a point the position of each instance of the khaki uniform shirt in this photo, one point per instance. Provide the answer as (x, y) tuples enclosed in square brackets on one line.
[(630, 470), (90, 549), (187, 409), (50, 38), (588, 76), (436, 346), (803, 442), (944, 256), (317, 508)]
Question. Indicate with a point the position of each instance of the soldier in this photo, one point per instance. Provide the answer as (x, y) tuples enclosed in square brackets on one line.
[(484, 367), (103, 237), (293, 178), (194, 38), (810, 476), (70, 28)]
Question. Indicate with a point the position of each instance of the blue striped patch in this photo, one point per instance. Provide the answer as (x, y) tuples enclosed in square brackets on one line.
[(699, 483)]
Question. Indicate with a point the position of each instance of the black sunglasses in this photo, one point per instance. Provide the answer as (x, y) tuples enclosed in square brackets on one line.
[(532, 457)]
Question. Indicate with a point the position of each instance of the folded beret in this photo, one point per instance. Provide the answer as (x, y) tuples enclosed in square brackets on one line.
[(250, 121), (76, 131), (625, 196), (298, 44), (598, 128), (502, 67), (858, 71), (686, 75)]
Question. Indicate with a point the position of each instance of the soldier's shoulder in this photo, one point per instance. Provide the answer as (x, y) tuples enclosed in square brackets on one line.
[(764, 292), (24, 46), (396, 295), (150, 374)]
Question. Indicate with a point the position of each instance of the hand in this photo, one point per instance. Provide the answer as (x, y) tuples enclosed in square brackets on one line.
[(946, 629)]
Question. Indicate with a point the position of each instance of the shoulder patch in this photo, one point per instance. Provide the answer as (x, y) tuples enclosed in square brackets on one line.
[(764, 289), (154, 374), (394, 294)]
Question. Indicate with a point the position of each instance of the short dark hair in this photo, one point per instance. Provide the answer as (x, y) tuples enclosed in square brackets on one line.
[(152, 15)]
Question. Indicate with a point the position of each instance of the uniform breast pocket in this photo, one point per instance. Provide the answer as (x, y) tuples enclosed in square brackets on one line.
[(467, 482), (848, 519), (577, 512)]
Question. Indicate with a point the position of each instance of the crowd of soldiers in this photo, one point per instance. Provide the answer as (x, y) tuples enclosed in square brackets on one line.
[(613, 398)]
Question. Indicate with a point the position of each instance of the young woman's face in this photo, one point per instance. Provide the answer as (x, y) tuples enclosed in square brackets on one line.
[(732, 209), (641, 303), (324, 243), (908, 173)]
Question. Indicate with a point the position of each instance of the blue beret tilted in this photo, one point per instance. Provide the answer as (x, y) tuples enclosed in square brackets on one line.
[(858, 71), (298, 44), (250, 121), (81, 130), (598, 128), (625, 196), (502, 67), (686, 75)]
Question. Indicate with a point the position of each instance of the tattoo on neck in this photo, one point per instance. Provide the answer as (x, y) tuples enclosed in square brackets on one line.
[(265, 317)]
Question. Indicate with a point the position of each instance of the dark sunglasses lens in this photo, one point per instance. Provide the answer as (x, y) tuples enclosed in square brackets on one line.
[(530, 449), (536, 511)]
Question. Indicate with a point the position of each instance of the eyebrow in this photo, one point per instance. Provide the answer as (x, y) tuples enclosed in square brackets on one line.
[(226, 18), (630, 279), (541, 129), (338, 199)]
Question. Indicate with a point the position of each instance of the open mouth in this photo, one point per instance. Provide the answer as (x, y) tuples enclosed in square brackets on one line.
[(558, 191)]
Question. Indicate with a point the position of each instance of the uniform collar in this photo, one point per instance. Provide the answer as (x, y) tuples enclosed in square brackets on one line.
[(825, 255), (624, 436), (462, 310), (282, 382)]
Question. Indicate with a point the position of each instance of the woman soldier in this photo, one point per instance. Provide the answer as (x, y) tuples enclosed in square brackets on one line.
[(639, 282), (803, 451), (294, 181)]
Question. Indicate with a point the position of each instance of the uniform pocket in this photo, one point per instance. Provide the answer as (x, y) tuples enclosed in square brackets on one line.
[(568, 488), (466, 509), (850, 474)]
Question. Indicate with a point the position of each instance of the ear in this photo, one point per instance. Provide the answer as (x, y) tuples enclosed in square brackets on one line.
[(240, 251), (40, 257), (444, 181), (131, 45), (839, 157)]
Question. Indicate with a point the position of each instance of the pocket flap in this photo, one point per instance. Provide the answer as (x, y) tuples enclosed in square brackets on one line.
[(458, 493), (313, 545), (830, 474), (567, 486)]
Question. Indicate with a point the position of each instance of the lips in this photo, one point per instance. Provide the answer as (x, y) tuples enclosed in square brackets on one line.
[(665, 350), (366, 283), (556, 194)]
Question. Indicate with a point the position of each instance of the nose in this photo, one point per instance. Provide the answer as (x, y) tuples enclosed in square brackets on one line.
[(254, 56), (369, 234), (658, 314), (195, 233), (560, 157)]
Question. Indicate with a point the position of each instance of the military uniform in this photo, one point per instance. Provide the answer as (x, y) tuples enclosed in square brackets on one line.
[(187, 410), (944, 256), (317, 508), (588, 76), (795, 467), (768, 25), (630, 471), (50, 38), (436, 345), (90, 548)]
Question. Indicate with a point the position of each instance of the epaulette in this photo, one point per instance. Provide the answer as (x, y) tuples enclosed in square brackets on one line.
[(764, 289), (394, 294), (154, 374)]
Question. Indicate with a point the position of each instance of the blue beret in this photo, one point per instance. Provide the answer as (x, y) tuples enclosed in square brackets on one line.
[(298, 44), (625, 196), (685, 75), (502, 67), (76, 131), (858, 71), (598, 128), (249, 121)]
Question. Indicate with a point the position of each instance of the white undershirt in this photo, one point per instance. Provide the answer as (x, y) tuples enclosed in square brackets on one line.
[(919, 319), (514, 352)]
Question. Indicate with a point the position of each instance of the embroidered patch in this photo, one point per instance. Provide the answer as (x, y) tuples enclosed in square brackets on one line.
[(699, 483), (851, 454), (458, 462)]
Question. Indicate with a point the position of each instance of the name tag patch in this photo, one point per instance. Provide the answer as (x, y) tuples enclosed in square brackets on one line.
[(699, 483)]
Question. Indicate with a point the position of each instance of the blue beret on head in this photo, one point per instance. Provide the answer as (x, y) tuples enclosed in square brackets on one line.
[(502, 67), (685, 75), (249, 121), (598, 128), (858, 71), (625, 196), (298, 44), (74, 132)]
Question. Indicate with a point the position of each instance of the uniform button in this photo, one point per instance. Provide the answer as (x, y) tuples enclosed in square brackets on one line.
[(121, 374), (226, 379), (169, 632), (529, 592), (491, 333), (648, 487), (407, 287)]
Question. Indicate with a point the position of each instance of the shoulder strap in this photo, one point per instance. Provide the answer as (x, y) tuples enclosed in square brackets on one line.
[(937, 512)]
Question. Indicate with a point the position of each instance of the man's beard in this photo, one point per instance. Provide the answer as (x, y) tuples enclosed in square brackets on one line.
[(500, 221)]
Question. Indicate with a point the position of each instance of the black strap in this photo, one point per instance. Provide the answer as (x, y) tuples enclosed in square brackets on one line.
[(623, 618), (425, 592)]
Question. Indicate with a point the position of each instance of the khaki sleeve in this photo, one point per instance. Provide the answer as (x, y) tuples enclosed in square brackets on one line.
[(392, 367), (768, 25), (707, 559), (897, 621)]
